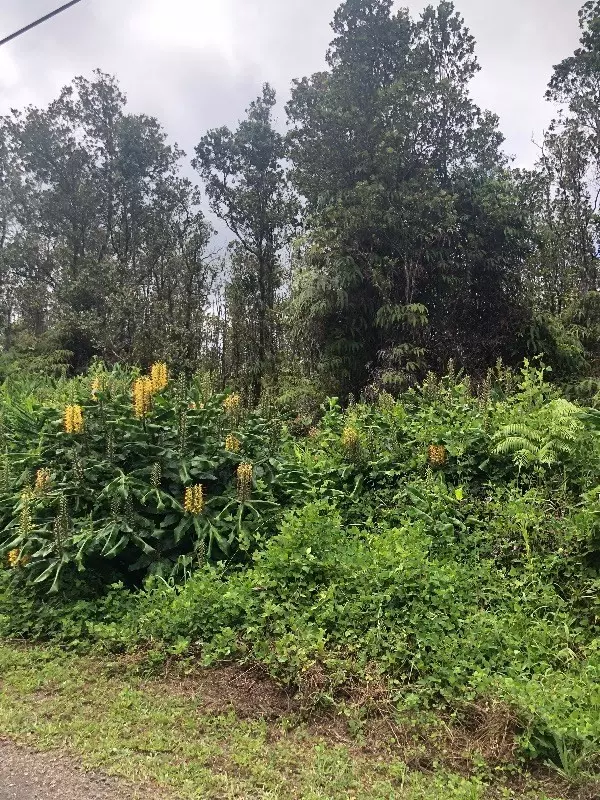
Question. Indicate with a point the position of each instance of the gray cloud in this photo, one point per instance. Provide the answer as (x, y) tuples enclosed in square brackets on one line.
[(196, 64)]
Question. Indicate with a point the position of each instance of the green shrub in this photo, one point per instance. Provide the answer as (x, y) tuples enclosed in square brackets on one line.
[(109, 499)]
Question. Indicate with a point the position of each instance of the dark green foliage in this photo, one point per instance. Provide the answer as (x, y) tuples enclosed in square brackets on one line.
[(103, 243), (415, 237), (418, 241), (114, 504)]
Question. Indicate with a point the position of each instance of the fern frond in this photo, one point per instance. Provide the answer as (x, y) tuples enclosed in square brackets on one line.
[(514, 444), (547, 454), (563, 408), (520, 430), (522, 458)]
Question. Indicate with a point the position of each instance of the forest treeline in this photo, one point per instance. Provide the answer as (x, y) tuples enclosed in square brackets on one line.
[(381, 234)]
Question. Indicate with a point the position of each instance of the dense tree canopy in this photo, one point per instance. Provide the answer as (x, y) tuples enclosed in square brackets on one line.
[(385, 233), (415, 238), (105, 243)]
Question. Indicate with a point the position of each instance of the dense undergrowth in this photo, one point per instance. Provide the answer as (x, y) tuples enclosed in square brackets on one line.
[(444, 543)]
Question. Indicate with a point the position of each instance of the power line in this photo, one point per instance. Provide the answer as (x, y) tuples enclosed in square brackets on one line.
[(38, 22)]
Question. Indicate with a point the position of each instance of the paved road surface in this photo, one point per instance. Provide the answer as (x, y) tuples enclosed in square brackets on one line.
[(26, 775)]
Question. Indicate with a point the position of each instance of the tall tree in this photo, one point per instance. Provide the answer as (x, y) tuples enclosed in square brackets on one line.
[(563, 274), (108, 250), (415, 237), (575, 83), (245, 180), (574, 139)]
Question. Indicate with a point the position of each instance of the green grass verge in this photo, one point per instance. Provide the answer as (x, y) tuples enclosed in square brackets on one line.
[(134, 728)]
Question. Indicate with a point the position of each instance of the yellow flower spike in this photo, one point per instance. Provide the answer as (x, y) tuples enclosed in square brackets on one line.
[(350, 438), (244, 481), (159, 376), (232, 444), (350, 441), (232, 403), (13, 558), (437, 455), (25, 520), (142, 396), (194, 499), (73, 419), (97, 386), (42, 480)]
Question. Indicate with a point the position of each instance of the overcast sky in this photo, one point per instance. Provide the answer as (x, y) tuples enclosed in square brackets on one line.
[(196, 64)]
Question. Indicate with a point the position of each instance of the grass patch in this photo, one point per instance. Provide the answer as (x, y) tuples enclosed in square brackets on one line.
[(172, 734)]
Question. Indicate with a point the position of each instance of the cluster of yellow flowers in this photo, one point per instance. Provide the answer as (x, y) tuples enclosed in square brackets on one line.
[(244, 481), (146, 386), (232, 444), (73, 419), (42, 480), (232, 403), (15, 561), (351, 443), (159, 376), (194, 499), (437, 455), (142, 396), (350, 438)]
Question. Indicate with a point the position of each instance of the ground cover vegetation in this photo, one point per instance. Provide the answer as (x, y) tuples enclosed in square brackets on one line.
[(237, 736), (361, 450), (441, 546)]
